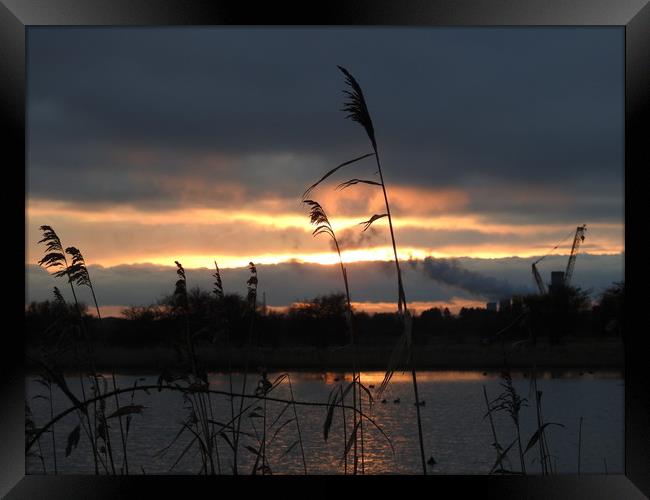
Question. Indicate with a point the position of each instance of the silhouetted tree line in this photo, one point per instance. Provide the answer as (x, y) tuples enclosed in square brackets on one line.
[(320, 322)]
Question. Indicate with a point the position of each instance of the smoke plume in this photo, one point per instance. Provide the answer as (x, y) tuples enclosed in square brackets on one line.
[(450, 272)]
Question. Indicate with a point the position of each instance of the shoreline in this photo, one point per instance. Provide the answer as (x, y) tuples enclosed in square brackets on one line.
[(585, 353)]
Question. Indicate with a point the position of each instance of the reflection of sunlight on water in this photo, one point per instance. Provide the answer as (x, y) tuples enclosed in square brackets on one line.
[(376, 377), (334, 377), (432, 376), (455, 432)]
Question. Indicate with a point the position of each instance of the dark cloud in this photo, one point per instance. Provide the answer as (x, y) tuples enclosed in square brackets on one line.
[(260, 107), (370, 281)]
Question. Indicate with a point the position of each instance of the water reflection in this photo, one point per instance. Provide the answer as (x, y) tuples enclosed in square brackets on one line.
[(456, 433), (376, 377)]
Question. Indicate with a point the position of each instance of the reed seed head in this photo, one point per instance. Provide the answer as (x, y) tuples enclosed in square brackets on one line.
[(356, 107)]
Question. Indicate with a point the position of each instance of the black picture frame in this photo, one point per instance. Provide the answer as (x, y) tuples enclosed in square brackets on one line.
[(631, 15)]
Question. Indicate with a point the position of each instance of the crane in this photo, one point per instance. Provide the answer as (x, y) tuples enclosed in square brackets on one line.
[(538, 279), (577, 239)]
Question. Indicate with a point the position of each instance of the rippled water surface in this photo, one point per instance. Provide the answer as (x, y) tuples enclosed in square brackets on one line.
[(456, 433)]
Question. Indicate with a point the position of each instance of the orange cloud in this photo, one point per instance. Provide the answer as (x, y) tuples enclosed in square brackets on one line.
[(272, 232), (363, 200)]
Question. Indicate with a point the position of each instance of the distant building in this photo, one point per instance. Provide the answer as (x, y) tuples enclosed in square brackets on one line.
[(557, 280), (491, 306), (504, 304)]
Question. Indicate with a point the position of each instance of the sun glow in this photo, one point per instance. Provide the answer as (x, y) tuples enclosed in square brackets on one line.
[(236, 236), (375, 254), (235, 261)]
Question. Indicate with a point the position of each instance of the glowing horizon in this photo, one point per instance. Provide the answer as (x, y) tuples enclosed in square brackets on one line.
[(381, 254), (131, 230), (455, 304)]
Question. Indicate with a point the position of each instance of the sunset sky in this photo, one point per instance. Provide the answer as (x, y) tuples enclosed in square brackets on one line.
[(147, 146)]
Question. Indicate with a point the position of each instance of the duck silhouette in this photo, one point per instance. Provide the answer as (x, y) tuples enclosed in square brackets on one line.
[(431, 461), (396, 401), (422, 403), (383, 401)]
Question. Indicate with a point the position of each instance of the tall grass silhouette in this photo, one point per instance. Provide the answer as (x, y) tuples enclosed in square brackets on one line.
[(510, 402), (252, 304), (357, 110), (55, 259), (78, 272), (319, 218), (200, 403), (201, 424), (539, 436)]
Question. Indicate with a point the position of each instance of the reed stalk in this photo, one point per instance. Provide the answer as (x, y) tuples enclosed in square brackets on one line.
[(295, 414), (252, 302), (538, 395), (199, 404), (55, 258), (510, 402), (125, 459), (78, 272), (495, 443), (319, 218), (49, 388), (219, 294), (580, 445), (357, 109)]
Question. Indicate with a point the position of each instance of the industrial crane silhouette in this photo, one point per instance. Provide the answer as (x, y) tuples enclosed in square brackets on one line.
[(538, 279), (578, 238)]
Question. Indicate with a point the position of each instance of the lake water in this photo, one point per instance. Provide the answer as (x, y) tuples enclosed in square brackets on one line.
[(456, 433)]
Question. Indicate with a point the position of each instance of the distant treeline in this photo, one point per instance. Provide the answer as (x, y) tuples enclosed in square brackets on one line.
[(320, 322)]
